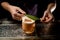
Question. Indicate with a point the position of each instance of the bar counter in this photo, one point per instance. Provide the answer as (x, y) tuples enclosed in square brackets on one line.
[(13, 31)]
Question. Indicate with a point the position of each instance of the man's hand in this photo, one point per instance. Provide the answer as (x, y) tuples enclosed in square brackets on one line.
[(47, 17), (16, 12)]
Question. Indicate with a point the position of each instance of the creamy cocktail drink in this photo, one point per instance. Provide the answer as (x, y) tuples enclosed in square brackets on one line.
[(28, 25)]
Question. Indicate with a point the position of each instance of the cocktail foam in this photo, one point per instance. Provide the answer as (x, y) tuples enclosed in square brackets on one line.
[(27, 18)]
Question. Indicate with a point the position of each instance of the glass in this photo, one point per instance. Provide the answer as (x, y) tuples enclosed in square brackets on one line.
[(28, 25)]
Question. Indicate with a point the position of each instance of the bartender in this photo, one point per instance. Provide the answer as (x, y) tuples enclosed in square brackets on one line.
[(17, 8)]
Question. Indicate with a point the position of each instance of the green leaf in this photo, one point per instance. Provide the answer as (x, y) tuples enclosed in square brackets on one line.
[(32, 17)]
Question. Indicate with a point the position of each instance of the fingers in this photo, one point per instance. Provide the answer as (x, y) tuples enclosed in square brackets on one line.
[(17, 13), (44, 15), (42, 19), (48, 17), (17, 16), (20, 10)]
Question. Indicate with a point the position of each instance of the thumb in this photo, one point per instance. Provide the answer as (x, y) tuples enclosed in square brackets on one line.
[(45, 13)]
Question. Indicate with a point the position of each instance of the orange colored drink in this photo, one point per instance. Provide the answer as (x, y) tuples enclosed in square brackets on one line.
[(28, 25)]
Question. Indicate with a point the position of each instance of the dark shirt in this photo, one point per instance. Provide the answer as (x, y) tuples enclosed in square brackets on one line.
[(33, 7), (56, 13)]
